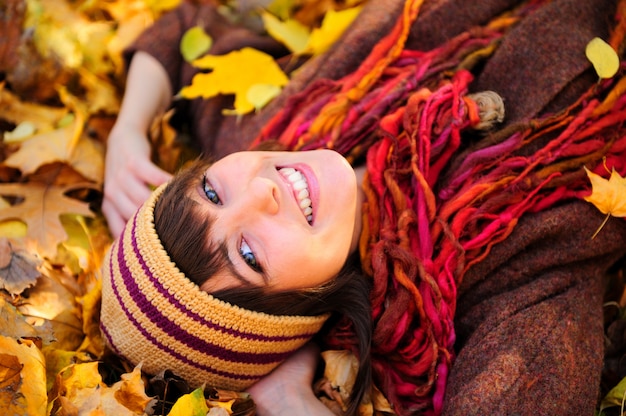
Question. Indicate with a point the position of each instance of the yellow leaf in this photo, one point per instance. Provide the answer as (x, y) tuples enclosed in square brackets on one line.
[(609, 196), (333, 26), (615, 397), (282, 8), (603, 57), (195, 43), (235, 73), (130, 393), (261, 94), (93, 342), (80, 388), (22, 131), (160, 6), (293, 34), (22, 378), (57, 360), (192, 404)]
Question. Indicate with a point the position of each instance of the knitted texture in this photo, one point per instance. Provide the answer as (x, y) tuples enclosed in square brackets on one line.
[(154, 315)]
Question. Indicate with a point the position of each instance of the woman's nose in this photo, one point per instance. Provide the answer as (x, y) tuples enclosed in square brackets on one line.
[(262, 195)]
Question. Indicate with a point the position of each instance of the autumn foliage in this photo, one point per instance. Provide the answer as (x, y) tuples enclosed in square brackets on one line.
[(61, 82)]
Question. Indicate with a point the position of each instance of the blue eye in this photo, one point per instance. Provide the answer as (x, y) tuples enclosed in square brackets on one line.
[(248, 256), (210, 193)]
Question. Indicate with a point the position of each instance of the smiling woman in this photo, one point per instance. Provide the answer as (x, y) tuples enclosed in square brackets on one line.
[(221, 275)]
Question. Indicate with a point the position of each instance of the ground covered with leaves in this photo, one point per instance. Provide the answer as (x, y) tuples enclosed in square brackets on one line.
[(61, 81)]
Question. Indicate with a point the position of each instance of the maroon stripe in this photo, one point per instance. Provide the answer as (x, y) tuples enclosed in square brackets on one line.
[(188, 339), (163, 347), (196, 317)]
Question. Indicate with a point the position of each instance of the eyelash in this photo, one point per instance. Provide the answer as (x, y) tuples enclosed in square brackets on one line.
[(248, 256), (208, 189), (244, 249)]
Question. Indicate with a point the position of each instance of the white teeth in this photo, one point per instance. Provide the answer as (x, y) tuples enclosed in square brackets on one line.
[(305, 203), (301, 188)]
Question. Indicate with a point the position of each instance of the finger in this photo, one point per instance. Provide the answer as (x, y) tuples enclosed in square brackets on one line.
[(114, 219), (126, 200), (150, 173)]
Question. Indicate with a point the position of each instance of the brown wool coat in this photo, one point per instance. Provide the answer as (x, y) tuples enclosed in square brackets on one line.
[(529, 317)]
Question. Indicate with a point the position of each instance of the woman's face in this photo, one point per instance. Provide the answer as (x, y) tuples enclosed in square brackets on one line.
[(288, 219)]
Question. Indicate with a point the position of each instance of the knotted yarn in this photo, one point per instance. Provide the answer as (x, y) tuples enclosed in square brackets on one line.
[(437, 200)]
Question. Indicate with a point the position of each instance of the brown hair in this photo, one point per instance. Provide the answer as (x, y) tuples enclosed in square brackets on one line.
[(184, 236)]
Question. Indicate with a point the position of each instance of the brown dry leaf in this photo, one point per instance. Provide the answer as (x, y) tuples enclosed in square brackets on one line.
[(18, 268), (86, 157), (16, 111), (22, 378), (340, 371), (14, 325), (40, 209), (168, 152)]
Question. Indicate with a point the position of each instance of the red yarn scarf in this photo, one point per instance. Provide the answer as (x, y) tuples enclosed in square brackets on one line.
[(424, 225)]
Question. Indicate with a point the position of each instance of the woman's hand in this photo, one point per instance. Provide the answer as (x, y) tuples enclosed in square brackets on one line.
[(288, 389), (129, 171)]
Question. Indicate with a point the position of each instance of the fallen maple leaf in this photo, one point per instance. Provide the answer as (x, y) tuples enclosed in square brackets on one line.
[(333, 26), (232, 75), (290, 32), (87, 157), (609, 196), (41, 206)]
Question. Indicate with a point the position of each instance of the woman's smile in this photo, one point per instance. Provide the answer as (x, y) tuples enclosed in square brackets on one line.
[(299, 185), (288, 219)]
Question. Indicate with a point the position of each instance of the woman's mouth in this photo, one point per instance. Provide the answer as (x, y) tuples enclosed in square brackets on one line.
[(300, 188)]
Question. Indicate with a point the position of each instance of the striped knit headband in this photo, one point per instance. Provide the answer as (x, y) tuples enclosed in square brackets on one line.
[(154, 315)]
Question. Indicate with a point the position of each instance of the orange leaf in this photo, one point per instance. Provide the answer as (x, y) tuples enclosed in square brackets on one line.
[(609, 196)]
